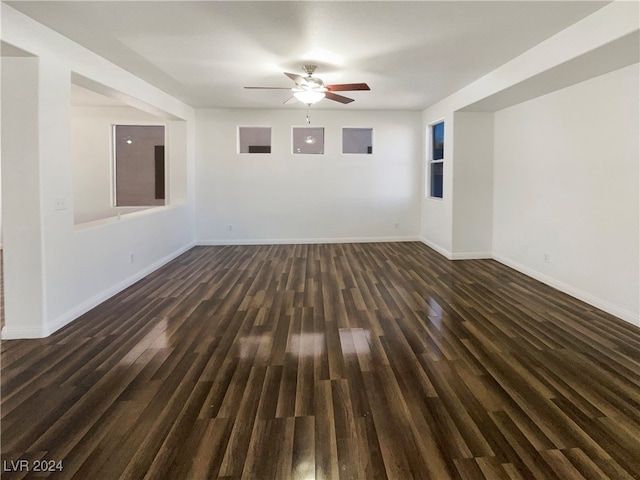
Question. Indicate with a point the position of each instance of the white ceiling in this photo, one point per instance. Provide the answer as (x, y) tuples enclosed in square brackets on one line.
[(411, 54)]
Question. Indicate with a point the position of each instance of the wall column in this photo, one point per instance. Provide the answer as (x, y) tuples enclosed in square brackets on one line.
[(472, 185), (21, 206)]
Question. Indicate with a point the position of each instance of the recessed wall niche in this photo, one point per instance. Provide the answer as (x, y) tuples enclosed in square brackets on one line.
[(308, 140), (357, 140), (254, 139), (97, 193)]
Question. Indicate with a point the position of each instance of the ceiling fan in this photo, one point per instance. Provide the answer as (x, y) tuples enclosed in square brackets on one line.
[(312, 89)]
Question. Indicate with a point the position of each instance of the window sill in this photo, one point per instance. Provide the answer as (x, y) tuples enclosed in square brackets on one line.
[(123, 214)]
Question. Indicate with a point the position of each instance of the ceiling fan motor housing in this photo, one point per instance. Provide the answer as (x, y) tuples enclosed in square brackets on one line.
[(309, 68)]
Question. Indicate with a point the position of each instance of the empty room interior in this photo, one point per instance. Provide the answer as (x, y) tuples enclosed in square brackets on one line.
[(320, 240)]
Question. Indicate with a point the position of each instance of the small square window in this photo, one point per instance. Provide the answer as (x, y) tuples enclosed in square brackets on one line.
[(309, 140), (254, 139), (357, 140)]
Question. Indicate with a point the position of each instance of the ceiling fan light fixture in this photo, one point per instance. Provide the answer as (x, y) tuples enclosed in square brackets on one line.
[(309, 96), (310, 89)]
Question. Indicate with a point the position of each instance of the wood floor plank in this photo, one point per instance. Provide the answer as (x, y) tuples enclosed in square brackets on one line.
[(326, 442), (303, 460), (339, 361)]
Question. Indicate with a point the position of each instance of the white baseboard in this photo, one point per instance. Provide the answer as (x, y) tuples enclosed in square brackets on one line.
[(442, 251), (457, 256), (303, 241), (23, 333), (597, 302), (68, 317), (71, 315), (472, 256)]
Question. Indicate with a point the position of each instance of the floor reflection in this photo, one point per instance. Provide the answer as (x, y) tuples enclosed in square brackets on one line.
[(435, 315), (307, 344)]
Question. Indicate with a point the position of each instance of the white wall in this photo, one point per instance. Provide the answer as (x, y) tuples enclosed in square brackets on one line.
[(77, 268), (23, 262), (566, 186), (472, 185), (603, 43), (0, 197), (284, 197)]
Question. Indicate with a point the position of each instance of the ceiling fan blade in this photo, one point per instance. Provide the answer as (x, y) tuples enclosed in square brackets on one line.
[(291, 99), (345, 87), (299, 79), (338, 98), (268, 88)]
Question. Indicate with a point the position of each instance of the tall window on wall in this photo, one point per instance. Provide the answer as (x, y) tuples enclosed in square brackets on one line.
[(139, 165), (436, 160)]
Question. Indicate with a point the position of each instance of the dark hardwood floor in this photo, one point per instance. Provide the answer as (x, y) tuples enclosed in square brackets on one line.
[(345, 361)]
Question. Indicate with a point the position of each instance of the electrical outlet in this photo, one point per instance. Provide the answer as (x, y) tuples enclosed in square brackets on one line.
[(60, 203), (547, 258), (396, 225), (132, 257), (230, 228)]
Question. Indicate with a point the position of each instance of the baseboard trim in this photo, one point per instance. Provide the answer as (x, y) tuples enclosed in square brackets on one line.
[(472, 256), (71, 315), (303, 241), (592, 300), (597, 302), (434, 246), (23, 333)]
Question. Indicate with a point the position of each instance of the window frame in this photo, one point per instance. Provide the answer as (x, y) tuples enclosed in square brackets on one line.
[(432, 162)]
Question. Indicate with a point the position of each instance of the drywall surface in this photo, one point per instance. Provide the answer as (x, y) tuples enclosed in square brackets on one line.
[(571, 56), (473, 185), (78, 268), (282, 196), (566, 200), (23, 262)]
